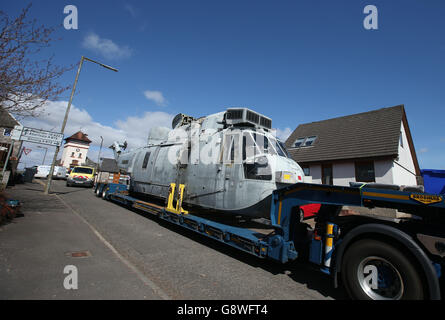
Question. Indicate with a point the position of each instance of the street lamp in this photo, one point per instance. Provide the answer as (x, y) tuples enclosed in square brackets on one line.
[(46, 150), (48, 183)]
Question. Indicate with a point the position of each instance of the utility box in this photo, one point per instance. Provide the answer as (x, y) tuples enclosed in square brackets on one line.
[(434, 180)]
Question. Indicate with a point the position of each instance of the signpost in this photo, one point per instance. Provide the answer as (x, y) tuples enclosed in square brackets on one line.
[(37, 136), (21, 133)]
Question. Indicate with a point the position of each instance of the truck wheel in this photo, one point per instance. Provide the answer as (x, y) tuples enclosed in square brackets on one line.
[(98, 193), (375, 270)]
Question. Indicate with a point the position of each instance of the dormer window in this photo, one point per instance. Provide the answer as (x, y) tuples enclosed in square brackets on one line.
[(305, 142), (309, 141), (299, 142)]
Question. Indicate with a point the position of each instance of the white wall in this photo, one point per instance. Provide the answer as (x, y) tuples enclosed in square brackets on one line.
[(404, 169), (315, 173), (343, 173), (384, 171), (71, 147)]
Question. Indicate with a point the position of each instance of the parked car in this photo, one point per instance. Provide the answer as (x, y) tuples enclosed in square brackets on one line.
[(81, 176), (43, 172)]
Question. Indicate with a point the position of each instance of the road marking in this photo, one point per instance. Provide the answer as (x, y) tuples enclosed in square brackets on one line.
[(141, 276)]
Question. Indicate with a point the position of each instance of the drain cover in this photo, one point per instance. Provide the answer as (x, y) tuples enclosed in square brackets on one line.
[(78, 254)]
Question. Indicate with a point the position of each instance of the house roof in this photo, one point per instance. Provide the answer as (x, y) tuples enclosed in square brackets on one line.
[(109, 165), (364, 135), (6, 119), (80, 136), (90, 163)]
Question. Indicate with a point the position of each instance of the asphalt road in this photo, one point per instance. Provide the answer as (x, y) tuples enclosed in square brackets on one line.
[(161, 261)]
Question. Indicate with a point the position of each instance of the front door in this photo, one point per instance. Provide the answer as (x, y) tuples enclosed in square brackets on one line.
[(326, 174)]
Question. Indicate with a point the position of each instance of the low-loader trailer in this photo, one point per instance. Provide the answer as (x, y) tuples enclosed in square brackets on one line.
[(374, 257)]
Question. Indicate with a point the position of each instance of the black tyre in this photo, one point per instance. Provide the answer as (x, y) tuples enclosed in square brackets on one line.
[(98, 193), (375, 270)]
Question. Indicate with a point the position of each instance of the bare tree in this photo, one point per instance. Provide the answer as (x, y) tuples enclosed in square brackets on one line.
[(26, 82)]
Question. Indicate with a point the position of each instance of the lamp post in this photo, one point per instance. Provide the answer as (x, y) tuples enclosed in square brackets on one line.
[(48, 183), (46, 150), (100, 149)]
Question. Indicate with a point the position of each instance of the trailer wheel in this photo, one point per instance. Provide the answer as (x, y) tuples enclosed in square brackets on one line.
[(375, 270)]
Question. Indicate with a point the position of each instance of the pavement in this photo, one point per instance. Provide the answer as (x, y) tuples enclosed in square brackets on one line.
[(35, 248), (130, 255)]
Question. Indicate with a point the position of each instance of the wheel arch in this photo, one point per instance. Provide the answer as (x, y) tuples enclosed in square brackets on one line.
[(382, 231)]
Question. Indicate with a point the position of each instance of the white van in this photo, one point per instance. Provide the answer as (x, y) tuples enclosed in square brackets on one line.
[(43, 172)]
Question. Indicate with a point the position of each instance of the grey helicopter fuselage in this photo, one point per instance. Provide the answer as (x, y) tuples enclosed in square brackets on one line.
[(228, 163)]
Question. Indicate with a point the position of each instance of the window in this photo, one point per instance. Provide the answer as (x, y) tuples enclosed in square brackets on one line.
[(144, 164), (80, 155), (306, 170), (7, 132), (72, 154), (309, 141), (401, 139), (299, 142), (82, 169), (364, 171), (250, 148), (305, 142)]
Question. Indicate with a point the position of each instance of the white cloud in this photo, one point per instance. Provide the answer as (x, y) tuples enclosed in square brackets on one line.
[(106, 47), (283, 134), (155, 96), (423, 150), (133, 129)]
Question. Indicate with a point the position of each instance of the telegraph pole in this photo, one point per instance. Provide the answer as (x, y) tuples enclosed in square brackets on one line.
[(51, 171)]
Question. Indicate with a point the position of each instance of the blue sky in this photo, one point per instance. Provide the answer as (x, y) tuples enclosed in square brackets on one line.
[(294, 61)]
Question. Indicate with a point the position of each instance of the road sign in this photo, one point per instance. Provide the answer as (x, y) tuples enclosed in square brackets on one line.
[(37, 136)]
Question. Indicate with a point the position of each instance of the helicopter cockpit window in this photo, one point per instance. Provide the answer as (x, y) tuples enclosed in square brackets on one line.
[(283, 147), (250, 148)]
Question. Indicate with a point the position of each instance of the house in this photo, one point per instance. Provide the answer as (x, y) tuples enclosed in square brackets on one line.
[(374, 146), (7, 123), (75, 150)]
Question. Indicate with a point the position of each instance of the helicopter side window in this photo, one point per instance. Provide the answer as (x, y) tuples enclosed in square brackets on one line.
[(259, 170), (249, 148), (145, 162), (256, 167)]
